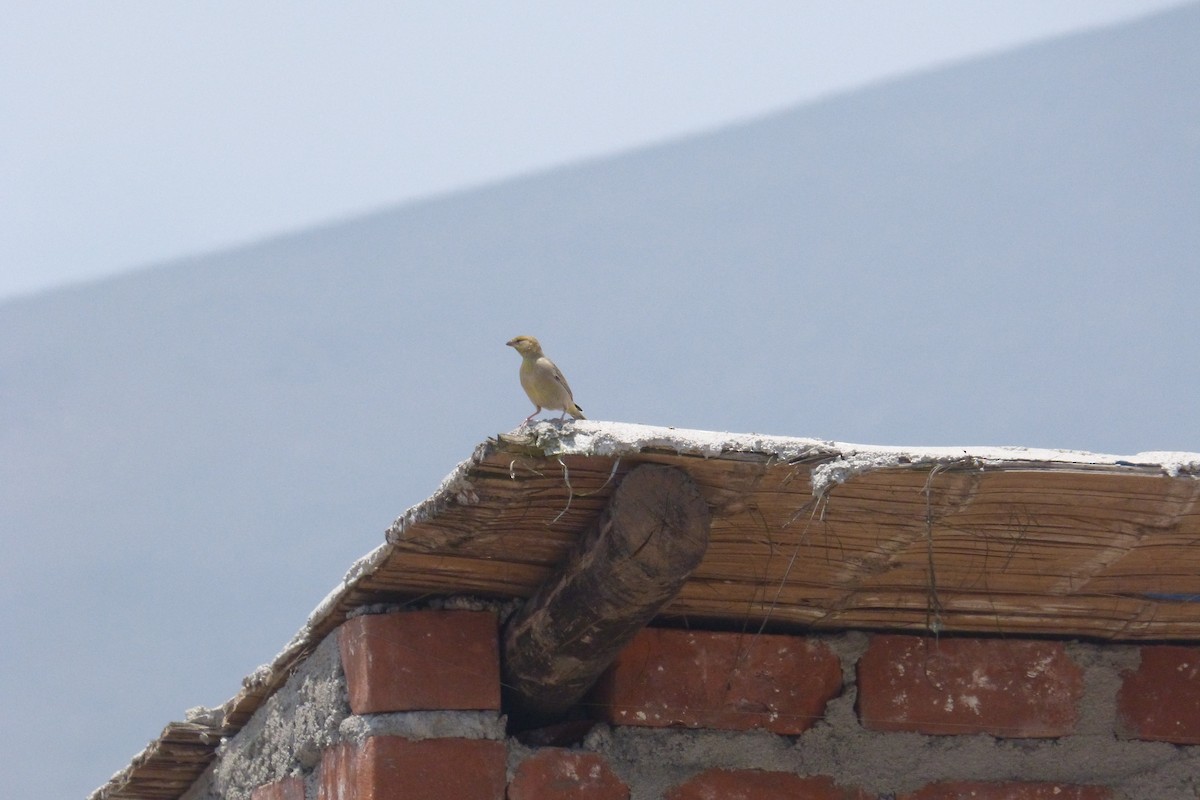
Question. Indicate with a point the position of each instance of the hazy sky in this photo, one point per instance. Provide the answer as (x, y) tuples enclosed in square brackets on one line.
[(135, 131)]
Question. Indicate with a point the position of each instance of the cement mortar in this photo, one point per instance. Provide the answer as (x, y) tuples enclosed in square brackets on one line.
[(502, 608), (426, 725), (651, 761), (286, 736)]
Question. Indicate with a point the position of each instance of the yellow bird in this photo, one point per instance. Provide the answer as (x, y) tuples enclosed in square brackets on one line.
[(543, 381)]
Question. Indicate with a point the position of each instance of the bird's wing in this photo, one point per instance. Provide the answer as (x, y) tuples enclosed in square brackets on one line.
[(556, 373)]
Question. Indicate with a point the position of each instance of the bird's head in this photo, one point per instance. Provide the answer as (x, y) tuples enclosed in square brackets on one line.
[(525, 345)]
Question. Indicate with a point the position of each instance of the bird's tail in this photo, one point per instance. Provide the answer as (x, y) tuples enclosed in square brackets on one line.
[(576, 412)]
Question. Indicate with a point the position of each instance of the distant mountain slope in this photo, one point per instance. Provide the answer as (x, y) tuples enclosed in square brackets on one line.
[(1000, 252)]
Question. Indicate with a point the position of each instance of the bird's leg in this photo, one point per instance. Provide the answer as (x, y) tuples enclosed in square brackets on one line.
[(536, 411)]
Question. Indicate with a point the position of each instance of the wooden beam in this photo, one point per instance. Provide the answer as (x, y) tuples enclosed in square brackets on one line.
[(631, 561)]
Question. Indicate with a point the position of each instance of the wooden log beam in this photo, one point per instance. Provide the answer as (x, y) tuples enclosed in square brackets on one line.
[(632, 560)]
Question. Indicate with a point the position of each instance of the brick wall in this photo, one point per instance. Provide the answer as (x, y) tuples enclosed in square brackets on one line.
[(692, 714)]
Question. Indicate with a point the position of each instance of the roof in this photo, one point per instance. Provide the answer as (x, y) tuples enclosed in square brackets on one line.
[(806, 535)]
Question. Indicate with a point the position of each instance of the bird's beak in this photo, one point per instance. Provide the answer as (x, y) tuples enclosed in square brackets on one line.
[(511, 343)]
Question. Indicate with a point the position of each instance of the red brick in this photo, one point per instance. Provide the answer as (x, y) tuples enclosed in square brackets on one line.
[(719, 680), (421, 660), (752, 784), (337, 773), (1004, 687), (393, 768), (556, 774), (283, 789), (1160, 700), (978, 790)]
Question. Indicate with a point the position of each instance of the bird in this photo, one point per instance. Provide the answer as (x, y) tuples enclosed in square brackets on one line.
[(543, 381)]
